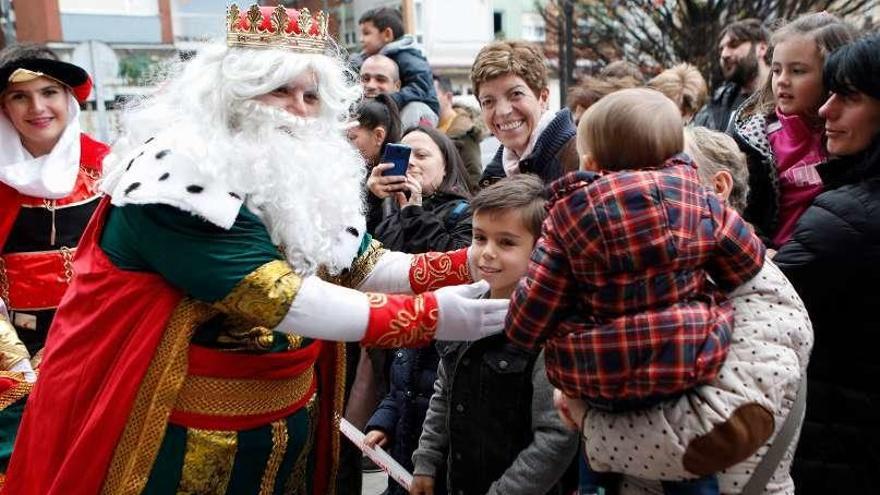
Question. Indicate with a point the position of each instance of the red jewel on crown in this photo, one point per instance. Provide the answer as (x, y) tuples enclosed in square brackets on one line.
[(268, 27)]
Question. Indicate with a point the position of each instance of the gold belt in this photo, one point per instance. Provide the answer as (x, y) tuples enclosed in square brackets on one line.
[(236, 397)]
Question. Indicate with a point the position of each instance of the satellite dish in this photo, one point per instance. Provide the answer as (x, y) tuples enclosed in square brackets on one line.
[(101, 62)]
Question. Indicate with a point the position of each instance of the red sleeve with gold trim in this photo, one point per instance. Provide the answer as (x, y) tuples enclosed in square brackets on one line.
[(430, 271), (401, 321)]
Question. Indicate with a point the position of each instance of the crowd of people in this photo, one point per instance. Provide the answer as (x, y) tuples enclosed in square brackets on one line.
[(651, 290)]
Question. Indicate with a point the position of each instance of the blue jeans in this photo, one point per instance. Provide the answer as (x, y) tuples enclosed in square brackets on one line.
[(593, 483)]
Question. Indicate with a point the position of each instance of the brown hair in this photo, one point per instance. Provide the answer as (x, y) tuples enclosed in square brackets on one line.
[(714, 152), (592, 89), (620, 69), (684, 85), (631, 129), (746, 30), (501, 58), (380, 111), (454, 179), (829, 33), (522, 192)]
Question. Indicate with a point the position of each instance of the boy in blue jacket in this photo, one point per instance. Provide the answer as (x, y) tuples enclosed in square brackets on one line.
[(382, 32)]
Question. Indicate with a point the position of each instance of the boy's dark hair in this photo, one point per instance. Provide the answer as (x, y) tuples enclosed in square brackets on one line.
[(523, 192), (384, 18), (25, 51), (380, 111), (454, 182), (747, 30), (444, 83)]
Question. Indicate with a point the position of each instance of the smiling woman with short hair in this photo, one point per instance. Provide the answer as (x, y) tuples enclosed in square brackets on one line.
[(510, 83)]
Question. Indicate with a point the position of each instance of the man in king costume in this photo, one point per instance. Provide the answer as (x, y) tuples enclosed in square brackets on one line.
[(195, 350)]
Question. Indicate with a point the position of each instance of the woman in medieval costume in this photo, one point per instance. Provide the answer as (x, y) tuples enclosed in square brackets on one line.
[(193, 351), (48, 191)]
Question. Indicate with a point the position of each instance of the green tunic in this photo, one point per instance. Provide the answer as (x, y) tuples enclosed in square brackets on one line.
[(207, 262)]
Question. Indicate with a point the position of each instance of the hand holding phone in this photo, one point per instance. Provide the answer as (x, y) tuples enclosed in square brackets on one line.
[(398, 154)]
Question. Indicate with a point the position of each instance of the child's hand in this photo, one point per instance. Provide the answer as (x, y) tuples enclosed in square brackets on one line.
[(571, 411), (422, 485), (376, 437)]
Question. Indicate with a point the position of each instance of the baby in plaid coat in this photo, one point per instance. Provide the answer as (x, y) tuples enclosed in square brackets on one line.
[(625, 288)]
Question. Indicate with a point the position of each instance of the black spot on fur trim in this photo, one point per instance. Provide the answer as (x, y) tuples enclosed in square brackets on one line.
[(149, 140), (353, 231), (195, 189), (165, 176), (236, 196), (162, 154), (128, 167), (132, 187)]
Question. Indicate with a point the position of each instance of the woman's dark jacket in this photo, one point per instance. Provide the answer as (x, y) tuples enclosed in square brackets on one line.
[(554, 155), (833, 260), (442, 223)]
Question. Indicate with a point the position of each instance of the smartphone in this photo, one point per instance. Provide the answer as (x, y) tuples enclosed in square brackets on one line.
[(398, 154)]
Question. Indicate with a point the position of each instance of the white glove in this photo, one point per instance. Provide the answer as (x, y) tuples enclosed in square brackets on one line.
[(464, 316), (24, 366)]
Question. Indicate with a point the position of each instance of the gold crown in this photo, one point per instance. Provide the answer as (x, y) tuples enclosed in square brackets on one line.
[(275, 28)]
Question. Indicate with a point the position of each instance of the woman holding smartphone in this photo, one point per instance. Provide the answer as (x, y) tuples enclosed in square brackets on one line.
[(432, 197)]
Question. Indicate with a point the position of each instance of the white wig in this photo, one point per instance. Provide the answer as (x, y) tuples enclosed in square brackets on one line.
[(215, 85), (290, 169)]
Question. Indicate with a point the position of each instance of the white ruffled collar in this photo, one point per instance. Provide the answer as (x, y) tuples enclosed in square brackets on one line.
[(50, 176)]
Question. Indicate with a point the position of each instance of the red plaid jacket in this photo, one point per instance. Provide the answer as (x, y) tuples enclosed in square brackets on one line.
[(618, 284)]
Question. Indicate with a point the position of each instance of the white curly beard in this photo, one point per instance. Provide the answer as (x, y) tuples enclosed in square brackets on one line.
[(306, 181)]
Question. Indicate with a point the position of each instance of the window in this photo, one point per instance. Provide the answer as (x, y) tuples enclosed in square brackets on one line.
[(420, 22), (533, 27), (498, 22), (349, 30)]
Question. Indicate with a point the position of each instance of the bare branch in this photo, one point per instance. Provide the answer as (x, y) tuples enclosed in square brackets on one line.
[(656, 34)]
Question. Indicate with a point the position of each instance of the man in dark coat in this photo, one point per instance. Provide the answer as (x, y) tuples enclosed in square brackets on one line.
[(742, 46)]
